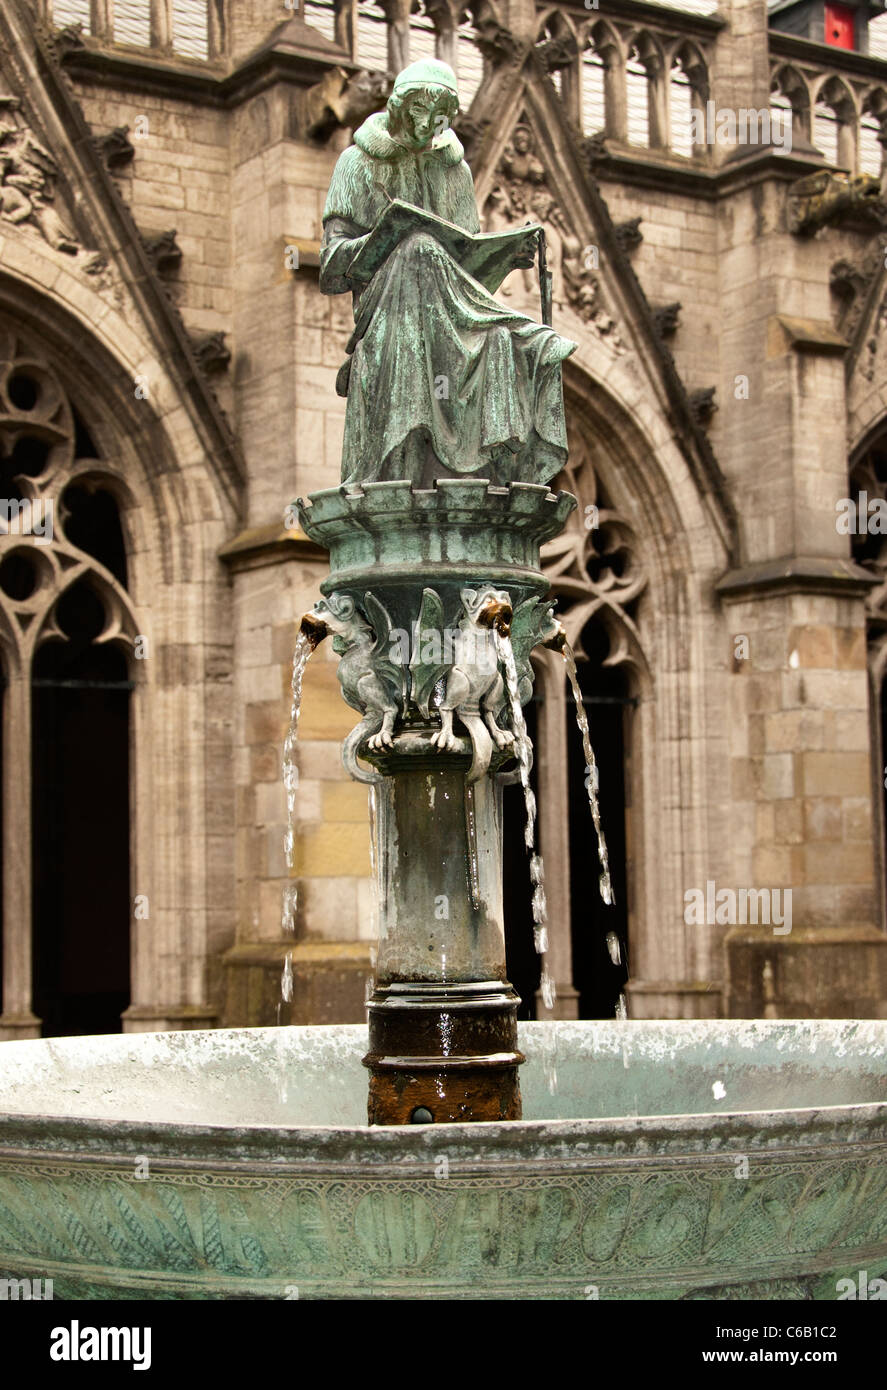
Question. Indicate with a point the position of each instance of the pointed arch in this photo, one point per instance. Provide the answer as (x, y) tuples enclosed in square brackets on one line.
[(689, 78), (603, 40), (175, 513), (867, 488), (646, 49), (788, 82), (873, 130), (834, 97)]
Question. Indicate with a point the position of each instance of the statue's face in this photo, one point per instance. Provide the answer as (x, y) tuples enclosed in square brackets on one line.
[(423, 117), (521, 141)]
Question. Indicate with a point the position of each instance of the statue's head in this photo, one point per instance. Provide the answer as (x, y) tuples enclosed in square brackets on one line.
[(521, 139), (423, 102)]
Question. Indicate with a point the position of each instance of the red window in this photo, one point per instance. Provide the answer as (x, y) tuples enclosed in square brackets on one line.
[(839, 26)]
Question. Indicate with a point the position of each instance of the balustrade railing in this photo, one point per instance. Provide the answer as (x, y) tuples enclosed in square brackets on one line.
[(635, 72), (838, 101), (185, 27)]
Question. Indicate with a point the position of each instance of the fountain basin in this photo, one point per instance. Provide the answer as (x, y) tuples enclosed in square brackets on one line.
[(672, 1160)]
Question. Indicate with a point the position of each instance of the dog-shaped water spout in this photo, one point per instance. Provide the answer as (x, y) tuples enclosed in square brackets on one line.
[(465, 661), (371, 682)]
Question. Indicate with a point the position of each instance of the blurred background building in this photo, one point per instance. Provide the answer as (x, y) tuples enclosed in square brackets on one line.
[(167, 369)]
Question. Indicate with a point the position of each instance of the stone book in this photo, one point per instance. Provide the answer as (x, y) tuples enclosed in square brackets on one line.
[(486, 256)]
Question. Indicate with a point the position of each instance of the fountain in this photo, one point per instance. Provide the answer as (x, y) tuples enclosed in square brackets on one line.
[(632, 1160)]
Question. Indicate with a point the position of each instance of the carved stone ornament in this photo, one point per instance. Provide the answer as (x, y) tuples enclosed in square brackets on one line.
[(666, 317), (340, 101), (43, 424), (595, 149), (629, 234), (70, 36), (522, 193), (164, 251), (28, 174), (873, 342), (828, 198), (594, 566), (702, 404), (558, 53), (850, 282), (212, 353), (116, 148), (497, 44)]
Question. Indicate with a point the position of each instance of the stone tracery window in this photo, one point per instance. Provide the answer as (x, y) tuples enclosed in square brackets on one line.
[(593, 565), (66, 635), (835, 122)]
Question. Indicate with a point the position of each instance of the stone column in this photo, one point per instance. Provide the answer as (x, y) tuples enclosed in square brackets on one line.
[(161, 24), (521, 18), (17, 1019), (741, 71), (101, 20)]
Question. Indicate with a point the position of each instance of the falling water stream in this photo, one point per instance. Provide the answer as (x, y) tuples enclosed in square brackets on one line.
[(592, 780), (592, 784), (290, 770), (523, 750), (301, 654)]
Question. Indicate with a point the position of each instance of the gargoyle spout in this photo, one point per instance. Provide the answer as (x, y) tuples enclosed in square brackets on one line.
[(558, 640), (313, 628), (496, 613)]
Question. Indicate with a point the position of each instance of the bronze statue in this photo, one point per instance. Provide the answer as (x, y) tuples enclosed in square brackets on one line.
[(442, 380)]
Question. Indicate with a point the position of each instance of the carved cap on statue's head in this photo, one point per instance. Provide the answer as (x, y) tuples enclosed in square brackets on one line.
[(430, 85), (428, 72)]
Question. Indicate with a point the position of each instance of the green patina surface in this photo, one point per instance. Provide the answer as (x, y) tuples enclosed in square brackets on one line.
[(257, 1177), (442, 380)]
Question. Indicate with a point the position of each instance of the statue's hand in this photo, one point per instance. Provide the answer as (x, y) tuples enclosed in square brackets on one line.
[(525, 251)]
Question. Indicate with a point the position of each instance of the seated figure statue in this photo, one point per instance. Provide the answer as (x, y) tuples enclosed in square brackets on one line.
[(442, 380)]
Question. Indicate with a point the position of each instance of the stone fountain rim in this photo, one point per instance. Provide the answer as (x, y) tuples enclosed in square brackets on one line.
[(571, 1142), (605, 1026), (610, 1034)]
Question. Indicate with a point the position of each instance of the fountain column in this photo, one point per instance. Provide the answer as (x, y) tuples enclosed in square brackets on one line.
[(418, 580), (443, 1017)]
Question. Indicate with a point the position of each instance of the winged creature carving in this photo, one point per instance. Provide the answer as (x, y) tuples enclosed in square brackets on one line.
[(459, 669), (371, 681)]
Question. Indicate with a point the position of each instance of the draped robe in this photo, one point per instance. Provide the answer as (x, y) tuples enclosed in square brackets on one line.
[(444, 381)]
